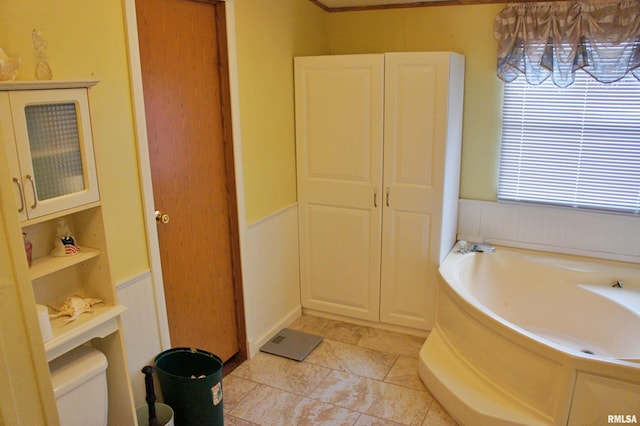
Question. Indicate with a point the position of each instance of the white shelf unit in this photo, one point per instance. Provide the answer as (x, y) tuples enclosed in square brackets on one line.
[(86, 274)]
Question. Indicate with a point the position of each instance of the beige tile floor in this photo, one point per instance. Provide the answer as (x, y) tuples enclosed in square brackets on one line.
[(357, 376)]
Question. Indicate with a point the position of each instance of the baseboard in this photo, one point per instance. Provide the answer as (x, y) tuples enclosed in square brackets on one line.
[(372, 324)]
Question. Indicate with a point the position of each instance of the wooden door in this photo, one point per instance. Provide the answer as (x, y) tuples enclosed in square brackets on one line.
[(192, 171), (339, 155), (416, 126)]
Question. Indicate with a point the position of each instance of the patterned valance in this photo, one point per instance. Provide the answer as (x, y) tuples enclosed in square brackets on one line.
[(601, 37)]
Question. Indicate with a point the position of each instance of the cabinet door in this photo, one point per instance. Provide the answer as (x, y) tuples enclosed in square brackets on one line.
[(8, 140), (55, 149), (416, 86), (339, 108)]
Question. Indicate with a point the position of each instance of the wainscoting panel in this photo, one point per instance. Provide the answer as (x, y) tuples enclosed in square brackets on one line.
[(271, 276), (271, 291), (565, 230), (141, 331)]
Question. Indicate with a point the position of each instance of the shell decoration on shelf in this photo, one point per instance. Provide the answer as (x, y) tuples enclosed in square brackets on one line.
[(8, 67), (74, 306)]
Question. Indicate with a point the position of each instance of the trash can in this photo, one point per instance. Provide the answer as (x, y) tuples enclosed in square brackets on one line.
[(164, 415), (191, 383)]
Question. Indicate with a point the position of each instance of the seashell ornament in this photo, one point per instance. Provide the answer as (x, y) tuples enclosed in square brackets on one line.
[(8, 67), (74, 306)]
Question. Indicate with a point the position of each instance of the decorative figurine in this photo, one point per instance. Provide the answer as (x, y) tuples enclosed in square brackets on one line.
[(43, 70), (74, 306), (8, 67), (65, 243)]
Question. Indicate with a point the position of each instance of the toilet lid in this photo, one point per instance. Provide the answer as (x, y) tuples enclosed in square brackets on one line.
[(75, 367)]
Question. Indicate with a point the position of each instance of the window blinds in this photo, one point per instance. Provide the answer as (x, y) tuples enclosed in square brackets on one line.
[(577, 146)]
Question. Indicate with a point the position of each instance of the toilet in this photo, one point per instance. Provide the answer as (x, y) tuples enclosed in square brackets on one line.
[(79, 381)]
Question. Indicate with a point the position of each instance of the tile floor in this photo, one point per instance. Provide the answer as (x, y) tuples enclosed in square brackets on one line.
[(357, 376)]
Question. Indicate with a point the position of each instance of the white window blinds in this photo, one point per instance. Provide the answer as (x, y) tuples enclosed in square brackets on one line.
[(577, 146)]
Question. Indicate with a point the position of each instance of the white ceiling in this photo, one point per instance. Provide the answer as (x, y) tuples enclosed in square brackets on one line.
[(344, 4)]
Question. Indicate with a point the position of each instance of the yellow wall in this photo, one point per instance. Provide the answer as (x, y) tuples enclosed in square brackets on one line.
[(86, 40), (269, 34), (462, 29)]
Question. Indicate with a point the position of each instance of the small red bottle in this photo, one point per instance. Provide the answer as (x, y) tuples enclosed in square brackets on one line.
[(28, 248)]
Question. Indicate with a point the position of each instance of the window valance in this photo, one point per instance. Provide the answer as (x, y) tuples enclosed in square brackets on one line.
[(601, 37)]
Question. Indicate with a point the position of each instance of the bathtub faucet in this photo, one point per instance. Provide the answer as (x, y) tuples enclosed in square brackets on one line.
[(480, 247), (618, 284), (465, 247), (461, 247)]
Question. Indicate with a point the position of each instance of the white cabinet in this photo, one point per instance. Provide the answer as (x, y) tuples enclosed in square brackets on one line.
[(51, 159), (45, 131), (378, 152)]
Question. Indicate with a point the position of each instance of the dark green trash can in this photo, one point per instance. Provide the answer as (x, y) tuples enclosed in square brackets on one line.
[(191, 384)]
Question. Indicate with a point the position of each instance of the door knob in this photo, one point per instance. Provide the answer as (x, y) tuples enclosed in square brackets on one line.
[(162, 217)]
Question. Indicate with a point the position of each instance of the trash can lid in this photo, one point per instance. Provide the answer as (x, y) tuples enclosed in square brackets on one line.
[(185, 362)]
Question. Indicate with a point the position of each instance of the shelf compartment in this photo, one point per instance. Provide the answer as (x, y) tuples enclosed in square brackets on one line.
[(47, 264), (97, 324)]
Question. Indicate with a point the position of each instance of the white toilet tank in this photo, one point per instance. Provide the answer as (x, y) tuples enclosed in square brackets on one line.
[(80, 385)]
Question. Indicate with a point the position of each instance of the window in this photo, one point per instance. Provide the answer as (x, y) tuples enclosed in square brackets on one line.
[(577, 146)]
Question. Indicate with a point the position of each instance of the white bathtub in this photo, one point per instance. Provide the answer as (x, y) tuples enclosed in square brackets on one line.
[(524, 337)]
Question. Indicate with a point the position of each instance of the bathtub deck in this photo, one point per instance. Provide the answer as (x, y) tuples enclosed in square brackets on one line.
[(569, 342)]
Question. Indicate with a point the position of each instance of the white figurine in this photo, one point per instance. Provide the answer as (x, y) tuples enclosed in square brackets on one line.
[(43, 70), (65, 243)]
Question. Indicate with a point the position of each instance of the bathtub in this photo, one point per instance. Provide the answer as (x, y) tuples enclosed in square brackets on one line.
[(531, 338)]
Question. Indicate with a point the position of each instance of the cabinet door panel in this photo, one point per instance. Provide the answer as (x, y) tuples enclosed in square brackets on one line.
[(415, 135), (340, 260), (55, 149), (339, 156), (338, 124), (408, 280), (6, 129)]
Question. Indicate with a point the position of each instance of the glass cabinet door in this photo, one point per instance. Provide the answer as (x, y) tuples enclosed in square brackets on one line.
[(55, 149), (56, 156)]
